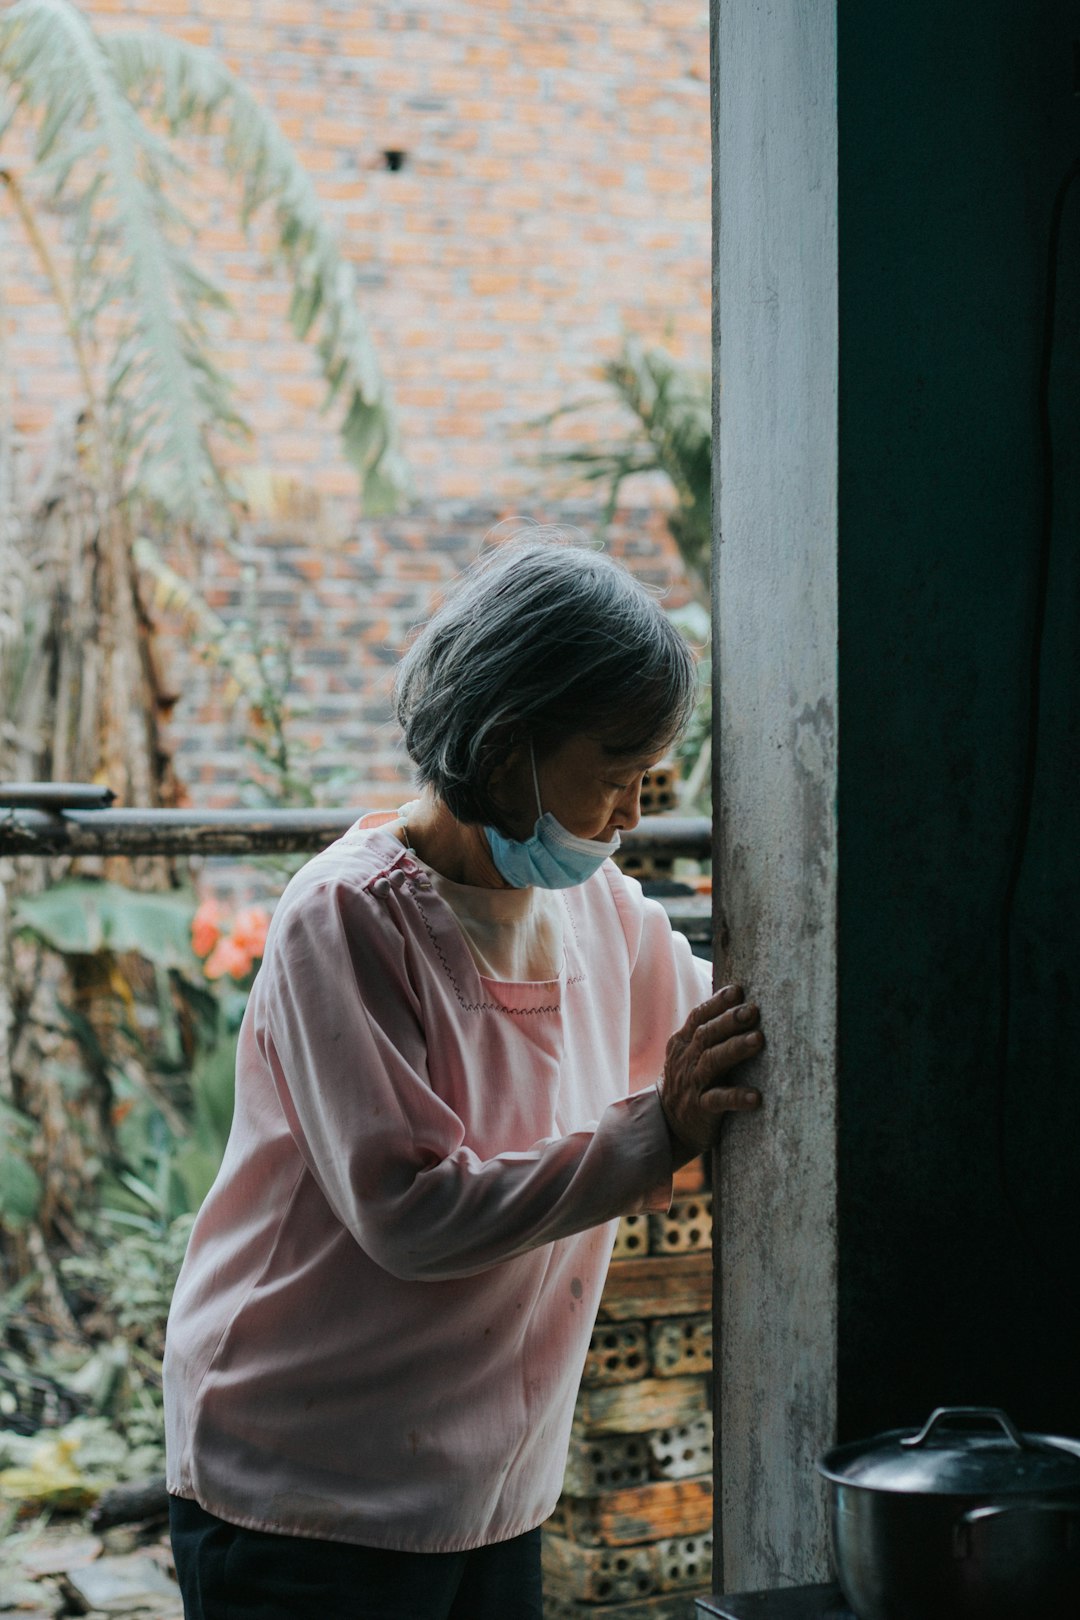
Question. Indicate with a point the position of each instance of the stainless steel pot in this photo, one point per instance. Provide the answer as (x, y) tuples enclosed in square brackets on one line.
[(958, 1523)]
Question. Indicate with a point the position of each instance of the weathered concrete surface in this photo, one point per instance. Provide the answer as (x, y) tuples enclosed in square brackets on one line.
[(776, 704), (897, 856)]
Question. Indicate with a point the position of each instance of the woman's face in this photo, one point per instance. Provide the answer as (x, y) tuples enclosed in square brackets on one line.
[(590, 790)]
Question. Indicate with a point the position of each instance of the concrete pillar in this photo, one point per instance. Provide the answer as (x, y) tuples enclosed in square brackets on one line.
[(897, 576), (775, 701)]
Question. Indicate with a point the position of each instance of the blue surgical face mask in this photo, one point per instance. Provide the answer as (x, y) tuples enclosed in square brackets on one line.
[(552, 858)]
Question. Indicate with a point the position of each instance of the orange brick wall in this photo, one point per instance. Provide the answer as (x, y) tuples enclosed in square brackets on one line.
[(346, 609), (555, 193)]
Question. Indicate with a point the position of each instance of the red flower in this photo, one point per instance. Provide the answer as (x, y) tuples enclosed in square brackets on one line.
[(206, 927), (227, 957), (249, 929)]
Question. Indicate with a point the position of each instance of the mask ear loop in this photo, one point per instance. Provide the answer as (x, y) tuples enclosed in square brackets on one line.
[(536, 779)]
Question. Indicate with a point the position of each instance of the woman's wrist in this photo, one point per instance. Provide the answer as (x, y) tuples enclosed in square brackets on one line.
[(681, 1151)]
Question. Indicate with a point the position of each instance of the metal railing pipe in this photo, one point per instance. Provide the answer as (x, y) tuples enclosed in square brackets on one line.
[(35, 831)]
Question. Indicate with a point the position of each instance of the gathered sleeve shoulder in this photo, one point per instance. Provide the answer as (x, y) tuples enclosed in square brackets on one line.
[(341, 1030)]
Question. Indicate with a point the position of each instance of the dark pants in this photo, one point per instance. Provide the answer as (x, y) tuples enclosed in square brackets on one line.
[(228, 1573)]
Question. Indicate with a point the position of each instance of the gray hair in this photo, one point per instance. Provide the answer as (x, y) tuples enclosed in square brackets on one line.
[(539, 640)]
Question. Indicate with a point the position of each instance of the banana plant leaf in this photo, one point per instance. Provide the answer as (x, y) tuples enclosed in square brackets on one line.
[(82, 916)]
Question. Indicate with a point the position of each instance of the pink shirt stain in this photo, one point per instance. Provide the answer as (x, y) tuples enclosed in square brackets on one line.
[(380, 1326)]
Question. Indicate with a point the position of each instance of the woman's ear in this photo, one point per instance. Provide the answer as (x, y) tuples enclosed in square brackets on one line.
[(512, 757), (510, 785)]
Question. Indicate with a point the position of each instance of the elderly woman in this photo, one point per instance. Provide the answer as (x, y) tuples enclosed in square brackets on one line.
[(472, 1046)]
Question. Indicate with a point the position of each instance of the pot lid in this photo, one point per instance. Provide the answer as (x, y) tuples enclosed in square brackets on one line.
[(945, 1459)]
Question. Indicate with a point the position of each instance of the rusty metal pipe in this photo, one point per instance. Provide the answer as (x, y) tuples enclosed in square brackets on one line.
[(35, 830)]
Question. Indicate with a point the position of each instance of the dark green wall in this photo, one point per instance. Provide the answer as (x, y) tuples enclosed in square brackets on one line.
[(959, 1263)]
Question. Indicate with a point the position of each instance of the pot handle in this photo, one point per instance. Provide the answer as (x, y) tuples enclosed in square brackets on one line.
[(1069, 1512), (993, 1414)]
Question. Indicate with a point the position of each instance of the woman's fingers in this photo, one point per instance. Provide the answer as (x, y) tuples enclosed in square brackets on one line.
[(720, 1033), (733, 1048), (696, 1091), (733, 1032), (721, 1001), (714, 1064), (730, 1100)]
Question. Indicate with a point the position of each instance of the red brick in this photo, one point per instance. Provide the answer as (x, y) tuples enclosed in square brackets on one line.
[(497, 56), (450, 81), (312, 568), (464, 366), (539, 53), (25, 294), (338, 481), (307, 395), (485, 282), (424, 395), (511, 248), (481, 111), (363, 44), (295, 12)]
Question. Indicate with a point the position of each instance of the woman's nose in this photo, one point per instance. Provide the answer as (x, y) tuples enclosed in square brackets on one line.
[(629, 808)]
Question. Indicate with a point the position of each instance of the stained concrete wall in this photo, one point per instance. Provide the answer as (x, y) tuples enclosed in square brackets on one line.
[(899, 1226), (775, 788)]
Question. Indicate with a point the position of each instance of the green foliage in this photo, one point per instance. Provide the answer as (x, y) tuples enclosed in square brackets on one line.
[(257, 663), (98, 1450), (212, 1090), (672, 433), (119, 126), (694, 752), (164, 392), (137, 296), (671, 410), (167, 1170), (83, 916), (169, 1146), (125, 1279), (191, 89), (20, 1184), (133, 1266)]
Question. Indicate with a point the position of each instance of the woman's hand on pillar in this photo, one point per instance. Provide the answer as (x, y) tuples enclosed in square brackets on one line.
[(695, 1092)]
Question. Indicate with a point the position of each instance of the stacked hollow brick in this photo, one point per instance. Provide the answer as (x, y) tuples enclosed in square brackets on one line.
[(659, 794), (631, 1536)]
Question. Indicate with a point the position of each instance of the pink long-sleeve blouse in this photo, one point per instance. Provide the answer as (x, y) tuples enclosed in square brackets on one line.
[(380, 1326)]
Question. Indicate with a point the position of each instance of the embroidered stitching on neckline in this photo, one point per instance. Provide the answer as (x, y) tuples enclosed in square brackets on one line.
[(477, 1006), (574, 978)]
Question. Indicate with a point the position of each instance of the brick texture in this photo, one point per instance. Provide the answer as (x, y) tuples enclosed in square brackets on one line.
[(554, 193), (345, 608)]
